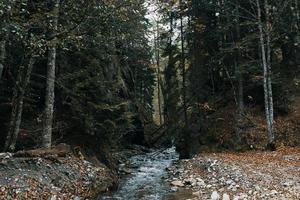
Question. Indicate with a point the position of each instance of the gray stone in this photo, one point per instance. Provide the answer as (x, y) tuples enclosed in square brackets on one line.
[(177, 183), (215, 196), (226, 197)]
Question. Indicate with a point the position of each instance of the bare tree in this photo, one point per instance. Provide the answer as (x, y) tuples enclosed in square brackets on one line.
[(23, 80), (50, 85), (266, 62)]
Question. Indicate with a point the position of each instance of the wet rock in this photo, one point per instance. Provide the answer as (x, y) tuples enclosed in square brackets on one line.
[(126, 171), (5, 155), (174, 189)]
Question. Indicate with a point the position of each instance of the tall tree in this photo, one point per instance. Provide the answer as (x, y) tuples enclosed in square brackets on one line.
[(23, 79), (238, 72), (158, 65), (5, 12), (50, 85), (266, 62)]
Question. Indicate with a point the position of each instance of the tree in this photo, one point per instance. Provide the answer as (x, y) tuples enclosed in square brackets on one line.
[(23, 79), (5, 12), (50, 85), (158, 65), (266, 62)]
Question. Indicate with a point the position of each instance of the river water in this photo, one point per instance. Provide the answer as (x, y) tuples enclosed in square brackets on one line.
[(145, 181)]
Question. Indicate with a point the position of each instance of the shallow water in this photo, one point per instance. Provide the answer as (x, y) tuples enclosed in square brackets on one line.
[(145, 181)]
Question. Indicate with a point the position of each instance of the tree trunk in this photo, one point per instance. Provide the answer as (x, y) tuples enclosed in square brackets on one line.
[(158, 76), (297, 15), (267, 81), (4, 37), (17, 105), (183, 67), (2, 56), (50, 85), (185, 153), (239, 77), (269, 72)]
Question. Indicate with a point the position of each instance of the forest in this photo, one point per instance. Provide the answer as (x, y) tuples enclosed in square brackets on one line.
[(103, 81)]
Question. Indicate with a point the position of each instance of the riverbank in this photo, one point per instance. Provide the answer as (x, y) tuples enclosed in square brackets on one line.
[(55, 175), (250, 175)]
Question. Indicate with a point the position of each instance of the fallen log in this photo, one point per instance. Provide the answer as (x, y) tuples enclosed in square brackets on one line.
[(60, 150)]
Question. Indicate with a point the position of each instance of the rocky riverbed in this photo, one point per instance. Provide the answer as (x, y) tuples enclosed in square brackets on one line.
[(155, 174), (53, 177), (239, 176), (142, 175)]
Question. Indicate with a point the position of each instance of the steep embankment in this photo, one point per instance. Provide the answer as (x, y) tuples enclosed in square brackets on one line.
[(54, 174)]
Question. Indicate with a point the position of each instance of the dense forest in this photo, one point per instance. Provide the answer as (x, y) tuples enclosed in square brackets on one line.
[(103, 75), (215, 73)]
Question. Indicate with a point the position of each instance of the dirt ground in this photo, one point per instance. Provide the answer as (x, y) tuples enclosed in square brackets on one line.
[(51, 177), (252, 175)]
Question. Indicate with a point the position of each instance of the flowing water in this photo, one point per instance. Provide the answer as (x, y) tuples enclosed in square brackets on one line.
[(145, 181)]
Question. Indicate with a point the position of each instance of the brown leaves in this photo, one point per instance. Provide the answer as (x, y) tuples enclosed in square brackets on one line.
[(43, 178)]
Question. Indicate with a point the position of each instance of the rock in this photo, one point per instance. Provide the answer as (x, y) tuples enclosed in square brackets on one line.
[(174, 189), (53, 197), (127, 171), (5, 155), (229, 182), (177, 183), (287, 184), (197, 194), (215, 196), (190, 181), (243, 196), (200, 182), (273, 193), (225, 197), (257, 188)]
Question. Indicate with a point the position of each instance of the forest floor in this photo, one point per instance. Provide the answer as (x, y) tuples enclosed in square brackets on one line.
[(250, 175), (51, 177)]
